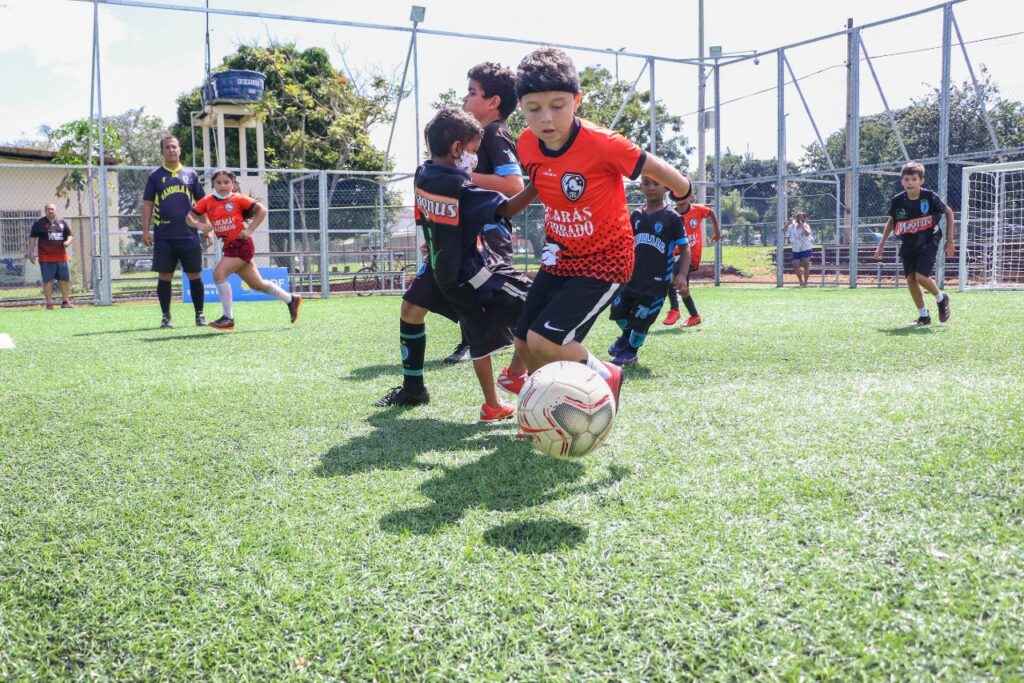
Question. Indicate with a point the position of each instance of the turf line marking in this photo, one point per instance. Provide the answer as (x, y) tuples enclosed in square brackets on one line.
[(6, 342)]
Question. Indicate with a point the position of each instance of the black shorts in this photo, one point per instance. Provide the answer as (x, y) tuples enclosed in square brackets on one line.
[(637, 309), (563, 309), (424, 292), (167, 255), (920, 260), (492, 331)]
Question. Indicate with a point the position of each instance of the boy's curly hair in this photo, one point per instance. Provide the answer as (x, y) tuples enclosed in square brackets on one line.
[(450, 125)]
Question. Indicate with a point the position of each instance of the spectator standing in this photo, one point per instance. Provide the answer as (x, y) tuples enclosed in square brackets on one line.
[(53, 237)]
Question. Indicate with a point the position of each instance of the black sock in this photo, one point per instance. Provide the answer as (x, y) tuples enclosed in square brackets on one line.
[(414, 347), (197, 290), (691, 307), (673, 299), (163, 293)]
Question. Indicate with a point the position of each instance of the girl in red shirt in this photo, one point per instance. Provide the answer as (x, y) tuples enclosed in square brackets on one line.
[(223, 212)]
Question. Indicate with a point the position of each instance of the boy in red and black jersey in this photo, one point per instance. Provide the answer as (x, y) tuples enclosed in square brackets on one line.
[(693, 216), (577, 169), (914, 216)]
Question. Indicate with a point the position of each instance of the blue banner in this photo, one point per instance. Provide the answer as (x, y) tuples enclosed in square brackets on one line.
[(239, 290)]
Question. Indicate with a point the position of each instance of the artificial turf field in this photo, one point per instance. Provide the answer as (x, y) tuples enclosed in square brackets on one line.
[(803, 487)]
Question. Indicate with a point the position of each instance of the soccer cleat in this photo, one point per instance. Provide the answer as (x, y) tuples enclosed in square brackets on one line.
[(944, 308), (223, 323), (502, 412), (201, 320), (626, 357), (49, 306), (617, 347), (400, 396), (461, 353), (513, 384), (692, 321), (923, 321), (672, 318), (614, 381), (68, 304), (293, 307), (165, 322)]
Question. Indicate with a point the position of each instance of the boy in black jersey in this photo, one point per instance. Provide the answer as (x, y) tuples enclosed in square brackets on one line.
[(452, 212), (657, 231), (914, 217)]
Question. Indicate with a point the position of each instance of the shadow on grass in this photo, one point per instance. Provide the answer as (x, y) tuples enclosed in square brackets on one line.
[(95, 334), (905, 330), (638, 370), (395, 369), (212, 334), (511, 477), (537, 538)]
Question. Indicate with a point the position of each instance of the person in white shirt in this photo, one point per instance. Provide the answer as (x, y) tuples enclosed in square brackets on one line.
[(802, 239)]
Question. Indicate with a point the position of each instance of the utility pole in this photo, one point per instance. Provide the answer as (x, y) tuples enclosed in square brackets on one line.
[(701, 85), (850, 123)]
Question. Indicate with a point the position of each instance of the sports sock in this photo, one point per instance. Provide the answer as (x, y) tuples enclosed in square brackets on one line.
[(691, 307), (414, 347), (198, 291), (637, 339), (673, 298), (939, 297), (224, 289), (598, 366), (274, 290), (923, 312), (163, 293), (623, 325)]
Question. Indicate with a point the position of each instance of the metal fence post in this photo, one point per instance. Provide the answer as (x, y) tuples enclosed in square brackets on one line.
[(947, 34), (854, 145), (325, 239), (780, 170)]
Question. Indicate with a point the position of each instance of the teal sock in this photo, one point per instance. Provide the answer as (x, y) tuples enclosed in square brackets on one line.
[(414, 346)]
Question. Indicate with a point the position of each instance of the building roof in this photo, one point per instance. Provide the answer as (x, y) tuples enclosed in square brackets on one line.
[(33, 155)]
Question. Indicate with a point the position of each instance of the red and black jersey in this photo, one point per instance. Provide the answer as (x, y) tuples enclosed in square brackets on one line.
[(51, 237), (586, 221), (915, 219), (225, 215)]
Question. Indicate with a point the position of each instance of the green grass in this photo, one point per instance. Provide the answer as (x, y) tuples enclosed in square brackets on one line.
[(753, 262), (802, 488)]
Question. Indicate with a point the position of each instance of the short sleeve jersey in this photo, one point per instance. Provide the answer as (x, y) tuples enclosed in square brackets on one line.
[(586, 221), (173, 194), (497, 156), (51, 238), (225, 215), (693, 220), (915, 220), (655, 236)]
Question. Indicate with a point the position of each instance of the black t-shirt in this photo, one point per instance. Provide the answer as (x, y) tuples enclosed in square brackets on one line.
[(51, 238), (655, 237), (916, 221), (173, 194), (497, 156)]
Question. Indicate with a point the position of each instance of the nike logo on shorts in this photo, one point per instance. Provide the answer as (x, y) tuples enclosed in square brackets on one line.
[(547, 326)]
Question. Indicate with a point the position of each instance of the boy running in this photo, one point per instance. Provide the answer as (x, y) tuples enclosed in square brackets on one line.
[(223, 213), (577, 169), (914, 217), (453, 212), (693, 216), (657, 233)]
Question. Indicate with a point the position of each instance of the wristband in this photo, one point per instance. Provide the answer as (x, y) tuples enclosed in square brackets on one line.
[(674, 197)]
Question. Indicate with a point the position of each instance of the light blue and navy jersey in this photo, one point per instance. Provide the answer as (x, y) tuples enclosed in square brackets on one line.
[(655, 237), (173, 194), (497, 156)]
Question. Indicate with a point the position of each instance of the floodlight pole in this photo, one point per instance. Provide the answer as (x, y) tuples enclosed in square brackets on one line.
[(701, 87), (718, 171), (417, 15), (780, 169), (944, 92), (106, 290)]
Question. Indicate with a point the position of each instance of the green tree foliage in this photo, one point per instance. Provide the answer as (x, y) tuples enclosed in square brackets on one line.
[(918, 124)]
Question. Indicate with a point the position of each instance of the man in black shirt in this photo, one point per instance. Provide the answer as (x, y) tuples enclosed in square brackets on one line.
[(914, 217)]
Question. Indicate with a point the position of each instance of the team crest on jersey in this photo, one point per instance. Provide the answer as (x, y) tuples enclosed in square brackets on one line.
[(693, 222), (657, 228), (901, 213), (229, 207), (573, 185), (924, 206)]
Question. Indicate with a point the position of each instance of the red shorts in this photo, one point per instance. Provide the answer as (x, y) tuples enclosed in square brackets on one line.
[(243, 249)]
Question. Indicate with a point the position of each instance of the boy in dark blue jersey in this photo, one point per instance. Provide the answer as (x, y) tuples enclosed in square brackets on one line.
[(171, 192), (914, 216), (453, 212), (657, 231)]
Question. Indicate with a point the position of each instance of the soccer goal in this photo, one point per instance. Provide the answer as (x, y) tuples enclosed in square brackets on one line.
[(992, 227)]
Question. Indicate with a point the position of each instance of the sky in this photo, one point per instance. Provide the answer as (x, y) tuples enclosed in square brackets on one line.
[(150, 56)]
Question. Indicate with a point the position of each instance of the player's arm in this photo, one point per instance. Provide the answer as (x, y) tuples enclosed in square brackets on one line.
[(886, 231), (659, 170), (714, 223), (515, 205), (950, 233), (259, 214), (147, 216), (196, 218), (68, 236), (679, 281), (508, 185), (32, 248)]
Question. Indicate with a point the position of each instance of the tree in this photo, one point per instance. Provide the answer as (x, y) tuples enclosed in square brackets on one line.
[(71, 142)]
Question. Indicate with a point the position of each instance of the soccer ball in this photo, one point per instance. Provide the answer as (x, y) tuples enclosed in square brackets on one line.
[(566, 409)]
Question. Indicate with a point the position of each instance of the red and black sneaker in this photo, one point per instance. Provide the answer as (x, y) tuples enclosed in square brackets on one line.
[(944, 308), (293, 307), (223, 323), (614, 381)]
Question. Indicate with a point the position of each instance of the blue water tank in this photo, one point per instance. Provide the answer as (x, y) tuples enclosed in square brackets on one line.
[(236, 85)]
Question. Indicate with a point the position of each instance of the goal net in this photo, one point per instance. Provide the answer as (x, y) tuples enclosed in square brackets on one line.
[(992, 227)]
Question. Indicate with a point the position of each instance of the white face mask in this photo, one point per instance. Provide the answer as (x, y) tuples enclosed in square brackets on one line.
[(220, 196), (466, 162)]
